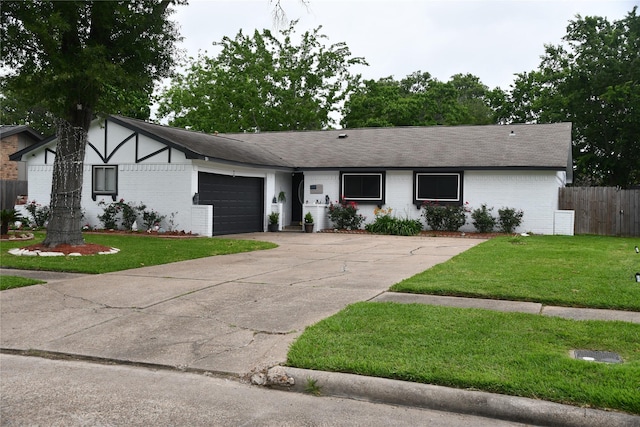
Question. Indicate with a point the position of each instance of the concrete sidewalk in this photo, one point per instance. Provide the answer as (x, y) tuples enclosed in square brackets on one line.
[(236, 315)]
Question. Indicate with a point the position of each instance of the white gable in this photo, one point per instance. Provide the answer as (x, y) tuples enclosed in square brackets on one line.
[(111, 143)]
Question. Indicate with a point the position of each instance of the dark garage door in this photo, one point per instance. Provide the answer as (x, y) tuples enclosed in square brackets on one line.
[(237, 202)]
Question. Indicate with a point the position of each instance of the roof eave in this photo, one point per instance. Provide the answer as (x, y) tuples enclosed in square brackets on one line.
[(17, 156)]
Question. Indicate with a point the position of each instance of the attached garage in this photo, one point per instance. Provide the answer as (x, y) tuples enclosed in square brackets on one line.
[(238, 202)]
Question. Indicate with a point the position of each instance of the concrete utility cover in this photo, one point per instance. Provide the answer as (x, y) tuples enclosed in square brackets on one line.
[(597, 356)]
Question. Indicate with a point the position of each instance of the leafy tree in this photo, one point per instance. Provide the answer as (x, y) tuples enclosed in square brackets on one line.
[(262, 82), (474, 98), (85, 58), (592, 80), (420, 100)]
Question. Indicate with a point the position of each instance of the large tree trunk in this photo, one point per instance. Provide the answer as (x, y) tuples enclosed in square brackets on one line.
[(65, 221)]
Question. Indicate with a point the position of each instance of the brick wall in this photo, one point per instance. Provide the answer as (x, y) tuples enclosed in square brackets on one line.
[(8, 168)]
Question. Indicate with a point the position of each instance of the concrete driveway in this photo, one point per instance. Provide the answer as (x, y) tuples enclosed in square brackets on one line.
[(231, 314)]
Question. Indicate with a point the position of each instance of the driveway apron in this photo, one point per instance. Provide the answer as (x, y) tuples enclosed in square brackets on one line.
[(231, 314)]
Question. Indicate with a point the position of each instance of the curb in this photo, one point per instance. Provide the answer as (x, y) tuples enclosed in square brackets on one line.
[(489, 405)]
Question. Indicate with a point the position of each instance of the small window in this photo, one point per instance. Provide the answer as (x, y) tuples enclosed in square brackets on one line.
[(105, 180), (363, 187), (441, 187)]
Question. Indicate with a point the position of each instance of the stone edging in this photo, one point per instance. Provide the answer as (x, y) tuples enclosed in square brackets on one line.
[(26, 252)]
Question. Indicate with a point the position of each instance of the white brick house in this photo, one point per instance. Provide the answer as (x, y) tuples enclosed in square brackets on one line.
[(226, 183)]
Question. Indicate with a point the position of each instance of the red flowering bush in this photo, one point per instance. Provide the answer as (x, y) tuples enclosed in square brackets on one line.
[(345, 216)]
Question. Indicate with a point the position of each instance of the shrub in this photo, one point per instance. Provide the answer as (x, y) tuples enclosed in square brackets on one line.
[(150, 218), (129, 214), (483, 221), (385, 223), (39, 214), (509, 219), (171, 222), (444, 217), (274, 217), (308, 218), (109, 217), (344, 215), (119, 211), (8, 217)]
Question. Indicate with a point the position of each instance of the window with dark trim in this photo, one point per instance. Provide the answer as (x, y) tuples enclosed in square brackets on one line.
[(105, 180), (362, 187), (440, 187)]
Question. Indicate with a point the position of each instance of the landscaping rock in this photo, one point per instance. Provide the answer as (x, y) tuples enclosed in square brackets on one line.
[(277, 376)]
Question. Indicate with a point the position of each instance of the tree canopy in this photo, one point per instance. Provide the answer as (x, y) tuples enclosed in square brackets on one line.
[(86, 57), (263, 82), (593, 81), (103, 56), (419, 100)]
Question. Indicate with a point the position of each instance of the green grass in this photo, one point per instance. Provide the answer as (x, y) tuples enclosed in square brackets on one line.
[(509, 353), (10, 282), (135, 251), (572, 271)]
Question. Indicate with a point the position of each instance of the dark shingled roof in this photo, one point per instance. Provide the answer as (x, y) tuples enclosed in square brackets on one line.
[(199, 145), (545, 146), (541, 146), (8, 130)]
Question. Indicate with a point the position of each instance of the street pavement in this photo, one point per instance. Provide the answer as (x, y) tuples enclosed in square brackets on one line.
[(231, 317)]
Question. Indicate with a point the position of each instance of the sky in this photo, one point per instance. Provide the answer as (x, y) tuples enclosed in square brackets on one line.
[(491, 39)]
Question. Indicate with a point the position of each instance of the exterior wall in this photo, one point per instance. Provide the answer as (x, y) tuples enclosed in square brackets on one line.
[(8, 169), (161, 186), (40, 183), (13, 170), (164, 188), (535, 192), (282, 182), (330, 182)]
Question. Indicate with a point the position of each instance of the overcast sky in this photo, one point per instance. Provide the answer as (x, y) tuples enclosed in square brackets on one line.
[(492, 40)]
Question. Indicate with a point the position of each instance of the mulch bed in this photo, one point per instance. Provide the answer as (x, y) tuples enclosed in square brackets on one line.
[(429, 233), (93, 248), (86, 249), (167, 234)]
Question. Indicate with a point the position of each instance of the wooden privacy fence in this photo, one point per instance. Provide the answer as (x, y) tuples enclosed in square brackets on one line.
[(9, 191), (603, 210)]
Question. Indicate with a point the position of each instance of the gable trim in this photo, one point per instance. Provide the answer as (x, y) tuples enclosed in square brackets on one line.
[(188, 153)]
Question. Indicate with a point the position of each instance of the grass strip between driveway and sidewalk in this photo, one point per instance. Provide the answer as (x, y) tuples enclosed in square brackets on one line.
[(510, 353), (570, 271), (10, 282), (135, 251)]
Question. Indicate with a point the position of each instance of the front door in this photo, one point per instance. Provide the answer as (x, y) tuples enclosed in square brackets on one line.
[(298, 198)]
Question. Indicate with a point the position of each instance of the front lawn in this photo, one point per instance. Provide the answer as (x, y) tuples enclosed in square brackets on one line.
[(510, 353), (572, 271), (10, 282), (135, 251)]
